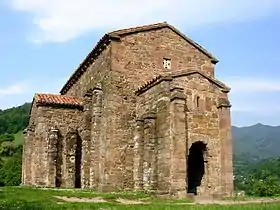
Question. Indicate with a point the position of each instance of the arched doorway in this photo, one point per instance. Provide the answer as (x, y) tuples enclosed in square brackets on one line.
[(195, 166)]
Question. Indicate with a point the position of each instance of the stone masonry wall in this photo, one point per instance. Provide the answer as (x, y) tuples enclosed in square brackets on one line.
[(160, 159), (152, 151), (182, 123), (136, 59), (53, 125), (226, 147), (119, 70), (118, 137), (120, 131), (139, 57), (27, 173), (98, 73), (203, 124), (109, 163), (99, 120)]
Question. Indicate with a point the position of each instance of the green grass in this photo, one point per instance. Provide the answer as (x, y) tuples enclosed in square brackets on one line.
[(31, 198)]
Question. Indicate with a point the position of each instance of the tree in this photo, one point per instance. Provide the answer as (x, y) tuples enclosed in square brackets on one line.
[(10, 172)]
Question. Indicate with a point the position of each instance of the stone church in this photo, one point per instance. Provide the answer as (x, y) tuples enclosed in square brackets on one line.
[(143, 111)]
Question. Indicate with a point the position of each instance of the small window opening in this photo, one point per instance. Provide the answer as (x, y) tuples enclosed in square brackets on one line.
[(197, 102), (167, 63)]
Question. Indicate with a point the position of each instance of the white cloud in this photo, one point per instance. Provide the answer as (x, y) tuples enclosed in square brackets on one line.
[(19, 93), (15, 89), (62, 20)]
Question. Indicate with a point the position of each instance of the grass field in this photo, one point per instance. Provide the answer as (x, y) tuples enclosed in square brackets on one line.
[(30, 198)]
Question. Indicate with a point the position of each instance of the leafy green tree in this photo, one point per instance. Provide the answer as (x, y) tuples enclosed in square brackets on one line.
[(264, 188), (259, 179), (14, 119), (11, 122), (10, 172), (7, 149), (7, 137)]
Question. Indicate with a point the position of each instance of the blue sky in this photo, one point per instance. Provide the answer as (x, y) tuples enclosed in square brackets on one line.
[(43, 41)]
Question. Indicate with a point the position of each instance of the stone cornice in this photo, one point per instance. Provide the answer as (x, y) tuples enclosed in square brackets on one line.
[(152, 83), (171, 76), (223, 102)]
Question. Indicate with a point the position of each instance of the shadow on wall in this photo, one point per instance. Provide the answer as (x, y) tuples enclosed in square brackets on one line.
[(59, 161), (195, 166), (78, 161), (58, 175)]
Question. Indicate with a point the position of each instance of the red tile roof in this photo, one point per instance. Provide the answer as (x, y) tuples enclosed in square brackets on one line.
[(52, 99)]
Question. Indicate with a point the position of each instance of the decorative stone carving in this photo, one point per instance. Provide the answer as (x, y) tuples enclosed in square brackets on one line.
[(167, 63)]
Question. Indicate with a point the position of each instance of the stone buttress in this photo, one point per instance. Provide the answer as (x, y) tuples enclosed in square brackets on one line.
[(165, 139)]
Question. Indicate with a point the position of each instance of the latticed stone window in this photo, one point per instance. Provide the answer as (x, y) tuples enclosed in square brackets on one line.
[(167, 63)]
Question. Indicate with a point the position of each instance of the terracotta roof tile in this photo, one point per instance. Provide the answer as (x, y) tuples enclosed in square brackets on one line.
[(52, 99)]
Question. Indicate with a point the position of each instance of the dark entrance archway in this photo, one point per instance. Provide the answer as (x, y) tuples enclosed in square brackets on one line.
[(195, 167)]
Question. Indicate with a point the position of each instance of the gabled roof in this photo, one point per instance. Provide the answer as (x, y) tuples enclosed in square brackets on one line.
[(138, 29), (171, 76), (116, 35), (220, 84), (52, 99)]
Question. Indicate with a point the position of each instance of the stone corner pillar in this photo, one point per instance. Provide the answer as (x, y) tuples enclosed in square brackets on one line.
[(97, 150), (26, 178), (178, 143), (227, 184), (85, 133), (70, 158), (150, 152), (138, 155), (52, 161)]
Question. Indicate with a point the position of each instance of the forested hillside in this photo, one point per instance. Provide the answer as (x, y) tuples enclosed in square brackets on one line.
[(14, 119), (256, 153), (256, 142), (12, 123)]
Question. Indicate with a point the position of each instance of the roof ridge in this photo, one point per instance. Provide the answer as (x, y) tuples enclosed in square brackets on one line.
[(173, 75), (148, 83), (59, 95), (161, 25), (136, 28), (103, 42)]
